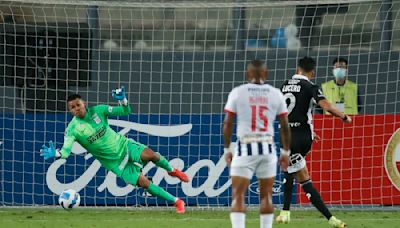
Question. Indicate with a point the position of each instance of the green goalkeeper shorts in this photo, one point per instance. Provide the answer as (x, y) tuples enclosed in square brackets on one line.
[(130, 174)]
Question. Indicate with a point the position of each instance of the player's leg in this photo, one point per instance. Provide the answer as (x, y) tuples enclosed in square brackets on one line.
[(313, 195), (149, 155), (238, 209), (300, 145), (160, 192), (154, 189), (266, 172), (241, 172), (131, 174), (284, 216), (266, 206), (142, 154), (311, 192), (288, 189)]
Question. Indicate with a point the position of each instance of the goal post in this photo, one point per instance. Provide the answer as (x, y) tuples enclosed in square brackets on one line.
[(178, 61)]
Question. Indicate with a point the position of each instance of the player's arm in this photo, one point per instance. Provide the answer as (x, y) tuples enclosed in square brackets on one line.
[(228, 130), (327, 106), (66, 149), (52, 152), (121, 110), (284, 133), (230, 110), (124, 108)]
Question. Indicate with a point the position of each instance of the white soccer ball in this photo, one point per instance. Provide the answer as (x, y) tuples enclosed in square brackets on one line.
[(69, 199)]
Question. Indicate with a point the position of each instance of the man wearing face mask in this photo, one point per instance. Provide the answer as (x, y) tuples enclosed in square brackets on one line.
[(341, 91)]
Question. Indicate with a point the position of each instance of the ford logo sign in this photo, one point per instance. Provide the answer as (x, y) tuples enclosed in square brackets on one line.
[(276, 188)]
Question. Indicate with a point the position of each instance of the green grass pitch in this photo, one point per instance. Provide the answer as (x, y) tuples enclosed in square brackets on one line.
[(120, 218)]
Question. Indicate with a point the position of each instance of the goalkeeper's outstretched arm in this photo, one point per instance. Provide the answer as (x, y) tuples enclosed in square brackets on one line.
[(52, 152), (66, 149), (124, 108)]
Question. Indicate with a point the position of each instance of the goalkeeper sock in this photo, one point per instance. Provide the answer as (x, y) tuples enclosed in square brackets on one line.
[(159, 192), (238, 219), (315, 198), (287, 194), (163, 163), (266, 220)]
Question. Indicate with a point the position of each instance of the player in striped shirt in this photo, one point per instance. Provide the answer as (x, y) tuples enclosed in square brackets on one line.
[(255, 106)]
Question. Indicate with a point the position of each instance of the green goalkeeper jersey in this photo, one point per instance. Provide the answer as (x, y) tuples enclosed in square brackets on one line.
[(95, 135)]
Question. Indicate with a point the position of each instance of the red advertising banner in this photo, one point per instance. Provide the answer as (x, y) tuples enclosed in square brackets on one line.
[(357, 163)]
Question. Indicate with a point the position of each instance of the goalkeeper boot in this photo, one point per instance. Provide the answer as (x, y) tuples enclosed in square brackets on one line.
[(179, 174), (283, 217), (336, 223), (180, 206)]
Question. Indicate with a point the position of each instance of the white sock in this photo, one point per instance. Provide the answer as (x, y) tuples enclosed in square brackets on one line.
[(266, 220), (238, 219)]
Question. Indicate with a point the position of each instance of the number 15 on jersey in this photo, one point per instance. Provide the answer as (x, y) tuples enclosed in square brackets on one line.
[(258, 112)]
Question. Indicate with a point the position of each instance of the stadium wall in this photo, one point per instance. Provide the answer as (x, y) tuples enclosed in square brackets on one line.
[(191, 142), (347, 165)]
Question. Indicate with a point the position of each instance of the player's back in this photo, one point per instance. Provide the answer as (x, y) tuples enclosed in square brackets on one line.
[(300, 95), (256, 107)]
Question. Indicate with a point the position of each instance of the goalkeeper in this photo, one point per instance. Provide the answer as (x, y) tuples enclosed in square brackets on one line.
[(124, 157)]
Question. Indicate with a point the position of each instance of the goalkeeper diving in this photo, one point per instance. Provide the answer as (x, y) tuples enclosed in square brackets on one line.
[(118, 154)]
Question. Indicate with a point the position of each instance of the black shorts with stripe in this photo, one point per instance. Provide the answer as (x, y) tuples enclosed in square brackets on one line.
[(301, 142)]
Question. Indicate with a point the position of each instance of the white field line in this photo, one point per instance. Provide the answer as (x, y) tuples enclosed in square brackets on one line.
[(187, 219)]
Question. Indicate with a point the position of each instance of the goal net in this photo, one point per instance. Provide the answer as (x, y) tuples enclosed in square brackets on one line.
[(178, 61)]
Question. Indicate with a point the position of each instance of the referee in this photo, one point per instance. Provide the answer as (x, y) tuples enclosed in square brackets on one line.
[(301, 95)]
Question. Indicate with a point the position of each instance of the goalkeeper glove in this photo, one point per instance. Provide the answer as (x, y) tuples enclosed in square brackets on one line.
[(119, 94), (49, 152)]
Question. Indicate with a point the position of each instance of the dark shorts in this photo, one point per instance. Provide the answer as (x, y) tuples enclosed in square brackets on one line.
[(301, 142)]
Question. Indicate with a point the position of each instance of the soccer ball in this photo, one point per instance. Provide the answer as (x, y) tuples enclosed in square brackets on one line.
[(69, 199)]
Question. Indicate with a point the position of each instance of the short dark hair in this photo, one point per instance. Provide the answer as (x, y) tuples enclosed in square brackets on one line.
[(338, 60), (307, 64), (73, 97)]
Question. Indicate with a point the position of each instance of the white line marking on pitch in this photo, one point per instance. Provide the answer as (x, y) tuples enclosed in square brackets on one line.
[(185, 219)]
